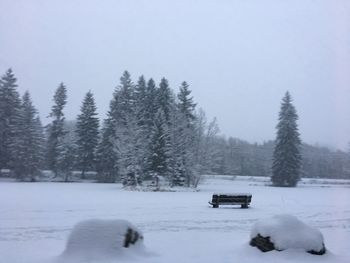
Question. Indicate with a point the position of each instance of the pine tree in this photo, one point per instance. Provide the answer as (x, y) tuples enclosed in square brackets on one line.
[(55, 130), (150, 103), (160, 146), (107, 152), (140, 100), (127, 132), (10, 110), (29, 150), (41, 140), (143, 133), (165, 107), (178, 144), (87, 134), (141, 103), (186, 135), (106, 155), (186, 104), (286, 155), (66, 159), (126, 99), (165, 99)]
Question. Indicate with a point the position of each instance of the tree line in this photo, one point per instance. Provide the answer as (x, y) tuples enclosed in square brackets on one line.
[(149, 131), (238, 157)]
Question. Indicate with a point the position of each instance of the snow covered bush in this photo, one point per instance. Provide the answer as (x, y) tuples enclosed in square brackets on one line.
[(286, 231), (96, 239)]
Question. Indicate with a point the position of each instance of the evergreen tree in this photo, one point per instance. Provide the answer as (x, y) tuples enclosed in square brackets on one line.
[(10, 110), (150, 103), (177, 150), (106, 155), (141, 103), (286, 156), (160, 146), (148, 116), (165, 99), (140, 100), (143, 133), (186, 104), (107, 152), (126, 99), (186, 136), (87, 134), (128, 133), (41, 140), (29, 143), (118, 132), (66, 159), (165, 107), (56, 131)]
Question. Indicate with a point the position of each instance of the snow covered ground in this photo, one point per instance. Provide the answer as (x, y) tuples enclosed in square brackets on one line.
[(36, 220)]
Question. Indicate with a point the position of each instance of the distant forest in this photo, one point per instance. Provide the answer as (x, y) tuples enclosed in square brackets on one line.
[(150, 131)]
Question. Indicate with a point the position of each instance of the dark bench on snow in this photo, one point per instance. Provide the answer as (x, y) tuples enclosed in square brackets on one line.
[(231, 199)]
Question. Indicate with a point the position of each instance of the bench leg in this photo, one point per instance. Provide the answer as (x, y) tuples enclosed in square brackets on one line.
[(215, 206), (244, 205)]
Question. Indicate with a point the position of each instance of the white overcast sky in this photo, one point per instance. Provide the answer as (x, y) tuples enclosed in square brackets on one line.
[(239, 57)]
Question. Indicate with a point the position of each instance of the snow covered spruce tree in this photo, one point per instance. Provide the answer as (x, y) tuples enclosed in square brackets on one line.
[(160, 147), (142, 123), (56, 131), (107, 153), (140, 102), (128, 133), (150, 111), (150, 103), (87, 135), (67, 159), (118, 153), (185, 136), (10, 108), (165, 100), (30, 142), (286, 155)]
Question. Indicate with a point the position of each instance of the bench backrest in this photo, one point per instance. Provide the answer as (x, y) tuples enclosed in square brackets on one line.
[(231, 198)]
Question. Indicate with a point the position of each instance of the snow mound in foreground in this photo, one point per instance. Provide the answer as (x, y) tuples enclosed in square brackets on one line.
[(100, 239), (286, 231)]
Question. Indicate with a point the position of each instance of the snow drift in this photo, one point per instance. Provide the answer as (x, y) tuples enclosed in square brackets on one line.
[(100, 239), (286, 231)]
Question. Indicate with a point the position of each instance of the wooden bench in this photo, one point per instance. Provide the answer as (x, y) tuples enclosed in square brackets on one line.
[(231, 199)]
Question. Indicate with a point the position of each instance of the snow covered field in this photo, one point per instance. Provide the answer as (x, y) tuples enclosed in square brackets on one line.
[(36, 219)]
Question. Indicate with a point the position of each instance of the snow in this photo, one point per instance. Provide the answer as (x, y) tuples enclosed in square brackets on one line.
[(286, 231), (36, 220), (98, 240)]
